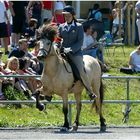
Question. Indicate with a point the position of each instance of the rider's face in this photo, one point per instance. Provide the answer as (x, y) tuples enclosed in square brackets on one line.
[(68, 17)]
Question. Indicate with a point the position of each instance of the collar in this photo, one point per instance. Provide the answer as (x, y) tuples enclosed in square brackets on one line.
[(73, 24)]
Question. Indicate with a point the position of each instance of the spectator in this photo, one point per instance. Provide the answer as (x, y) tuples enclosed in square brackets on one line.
[(19, 83), (21, 50), (24, 69), (30, 31), (4, 21), (115, 14), (47, 10), (90, 45), (34, 8), (19, 18), (134, 62), (95, 13), (35, 50), (137, 8), (72, 33), (58, 9)]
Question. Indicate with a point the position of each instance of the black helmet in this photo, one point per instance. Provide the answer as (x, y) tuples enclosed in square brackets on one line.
[(68, 10)]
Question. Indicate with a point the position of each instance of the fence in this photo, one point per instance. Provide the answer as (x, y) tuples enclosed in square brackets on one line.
[(127, 101)]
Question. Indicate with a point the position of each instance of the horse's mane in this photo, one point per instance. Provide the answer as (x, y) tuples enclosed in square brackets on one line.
[(48, 31)]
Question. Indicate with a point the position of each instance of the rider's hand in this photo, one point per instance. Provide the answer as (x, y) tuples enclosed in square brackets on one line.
[(67, 50)]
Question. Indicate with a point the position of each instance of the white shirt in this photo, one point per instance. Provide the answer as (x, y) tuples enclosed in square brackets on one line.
[(69, 26), (116, 20), (2, 12), (135, 60), (88, 40)]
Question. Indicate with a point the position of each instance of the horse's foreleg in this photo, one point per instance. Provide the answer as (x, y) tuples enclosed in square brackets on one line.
[(65, 111), (78, 108), (39, 105)]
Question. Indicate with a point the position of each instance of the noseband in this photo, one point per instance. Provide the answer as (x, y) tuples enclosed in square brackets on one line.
[(45, 52)]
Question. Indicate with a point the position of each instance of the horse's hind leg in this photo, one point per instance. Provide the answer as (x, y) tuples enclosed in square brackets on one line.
[(98, 104)]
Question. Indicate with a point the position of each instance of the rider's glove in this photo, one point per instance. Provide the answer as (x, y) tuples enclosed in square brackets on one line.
[(67, 50)]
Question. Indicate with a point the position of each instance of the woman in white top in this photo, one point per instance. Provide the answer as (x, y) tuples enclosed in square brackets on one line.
[(58, 9), (134, 61)]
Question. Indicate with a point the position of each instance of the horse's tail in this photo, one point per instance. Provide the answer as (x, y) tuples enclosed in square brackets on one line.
[(101, 92)]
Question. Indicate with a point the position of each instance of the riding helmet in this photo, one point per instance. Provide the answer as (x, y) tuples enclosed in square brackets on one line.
[(68, 10)]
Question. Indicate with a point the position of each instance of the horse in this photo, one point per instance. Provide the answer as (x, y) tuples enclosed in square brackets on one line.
[(57, 78)]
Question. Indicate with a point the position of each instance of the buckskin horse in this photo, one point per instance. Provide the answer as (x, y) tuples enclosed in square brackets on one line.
[(57, 78)]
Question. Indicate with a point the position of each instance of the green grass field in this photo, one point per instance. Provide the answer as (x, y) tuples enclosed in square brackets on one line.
[(115, 89)]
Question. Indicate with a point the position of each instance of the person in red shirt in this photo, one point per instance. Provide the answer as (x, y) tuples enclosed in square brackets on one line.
[(47, 10)]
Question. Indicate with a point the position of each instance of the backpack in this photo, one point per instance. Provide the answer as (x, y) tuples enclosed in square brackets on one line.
[(92, 15)]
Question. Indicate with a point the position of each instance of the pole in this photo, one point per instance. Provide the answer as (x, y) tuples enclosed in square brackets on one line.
[(128, 24), (133, 23)]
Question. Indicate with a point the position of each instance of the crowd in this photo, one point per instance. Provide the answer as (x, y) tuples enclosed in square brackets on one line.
[(19, 21)]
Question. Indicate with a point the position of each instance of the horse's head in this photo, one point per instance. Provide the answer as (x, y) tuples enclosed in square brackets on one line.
[(46, 36)]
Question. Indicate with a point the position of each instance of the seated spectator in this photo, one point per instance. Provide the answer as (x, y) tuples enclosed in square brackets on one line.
[(35, 50), (19, 83), (90, 44), (24, 69), (2, 72), (134, 63), (21, 50)]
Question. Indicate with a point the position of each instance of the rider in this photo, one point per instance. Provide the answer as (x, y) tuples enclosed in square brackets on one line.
[(72, 33)]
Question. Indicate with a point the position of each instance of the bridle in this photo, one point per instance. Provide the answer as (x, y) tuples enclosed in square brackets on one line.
[(46, 52)]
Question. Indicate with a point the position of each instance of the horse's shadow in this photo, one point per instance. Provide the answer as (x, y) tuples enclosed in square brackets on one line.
[(80, 131)]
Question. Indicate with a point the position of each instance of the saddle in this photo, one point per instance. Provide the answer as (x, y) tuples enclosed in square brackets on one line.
[(75, 71)]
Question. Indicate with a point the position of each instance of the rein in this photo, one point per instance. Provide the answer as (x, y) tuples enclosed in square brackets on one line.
[(63, 58)]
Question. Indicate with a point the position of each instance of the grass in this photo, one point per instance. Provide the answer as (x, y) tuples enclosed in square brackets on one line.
[(115, 89)]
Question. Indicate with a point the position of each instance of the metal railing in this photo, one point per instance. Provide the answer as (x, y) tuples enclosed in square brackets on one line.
[(127, 101)]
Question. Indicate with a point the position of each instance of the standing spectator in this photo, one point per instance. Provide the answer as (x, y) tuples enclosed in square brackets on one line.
[(47, 10), (4, 21), (19, 18), (95, 13), (58, 9), (137, 8), (34, 8), (30, 31)]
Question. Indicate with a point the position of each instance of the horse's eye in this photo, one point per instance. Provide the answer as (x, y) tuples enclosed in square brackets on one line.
[(48, 43)]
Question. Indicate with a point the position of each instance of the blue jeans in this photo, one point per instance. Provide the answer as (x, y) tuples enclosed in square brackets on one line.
[(94, 52)]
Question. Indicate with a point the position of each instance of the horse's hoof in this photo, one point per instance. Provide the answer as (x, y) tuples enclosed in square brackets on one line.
[(41, 107), (103, 129), (73, 129), (48, 98), (64, 129)]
